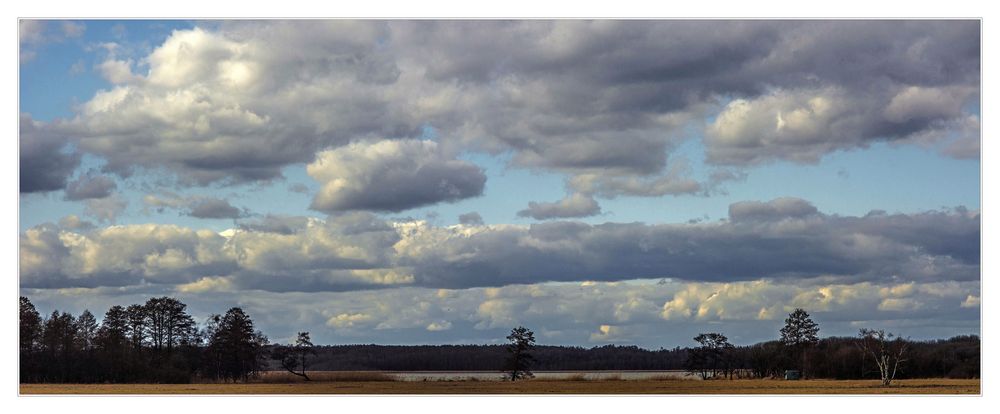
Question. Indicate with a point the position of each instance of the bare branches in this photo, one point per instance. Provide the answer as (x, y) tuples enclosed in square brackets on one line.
[(887, 352)]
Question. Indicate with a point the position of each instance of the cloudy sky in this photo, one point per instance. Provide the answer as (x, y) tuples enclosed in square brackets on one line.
[(628, 182)]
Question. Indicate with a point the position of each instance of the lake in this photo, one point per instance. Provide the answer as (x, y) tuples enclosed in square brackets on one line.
[(496, 376)]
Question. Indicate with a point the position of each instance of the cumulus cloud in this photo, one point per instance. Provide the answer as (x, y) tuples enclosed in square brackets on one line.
[(559, 313), (782, 240), (89, 186), (222, 104), (471, 218), (777, 209), (33, 33), (105, 209), (803, 125), (775, 243), (72, 222), (214, 208), (574, 205), (204, 207), (391, 176), (280, 224), (971, 301), (674, 182), (45, 159)]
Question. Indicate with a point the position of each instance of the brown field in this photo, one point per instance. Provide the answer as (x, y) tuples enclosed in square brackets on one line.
[(367, 384)]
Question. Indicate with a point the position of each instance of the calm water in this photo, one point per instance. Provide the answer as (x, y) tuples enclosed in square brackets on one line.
[(496, 376)]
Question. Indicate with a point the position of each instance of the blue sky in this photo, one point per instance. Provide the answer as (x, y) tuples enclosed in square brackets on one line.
[(250, 129)]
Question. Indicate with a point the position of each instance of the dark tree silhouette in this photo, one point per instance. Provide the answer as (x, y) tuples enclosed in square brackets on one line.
[(167, 322), (293, 357), (136, 315), (712, 357), (86, 328), (519, 361), (235, 346), (888, 353), (29, 337), (113, 344), (798, 335), (54, 349), (59, 340)]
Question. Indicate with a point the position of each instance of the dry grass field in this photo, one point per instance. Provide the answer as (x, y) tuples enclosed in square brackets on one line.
[(373, 384)]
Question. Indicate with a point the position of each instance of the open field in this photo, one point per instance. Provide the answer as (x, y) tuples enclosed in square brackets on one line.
[(536, 386)]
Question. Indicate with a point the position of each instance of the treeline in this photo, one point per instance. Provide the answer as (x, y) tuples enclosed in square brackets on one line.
[(841, 358), (833, 357), (159, 342), (490, 358)]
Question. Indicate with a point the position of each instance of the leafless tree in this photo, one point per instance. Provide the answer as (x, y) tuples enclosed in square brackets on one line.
[(887, 349)]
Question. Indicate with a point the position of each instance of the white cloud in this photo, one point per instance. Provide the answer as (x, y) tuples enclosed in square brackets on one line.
[(391, 176), (439, 326), (348, 320), (971, 301), (223, 104)]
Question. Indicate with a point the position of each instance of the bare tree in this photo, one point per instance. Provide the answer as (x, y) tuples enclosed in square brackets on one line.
[(887, 352), (518, 364), (293, 357)]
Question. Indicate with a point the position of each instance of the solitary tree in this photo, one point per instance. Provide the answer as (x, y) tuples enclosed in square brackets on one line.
[(711, 357), (798, 334), (293, 357), (887, 352), (518, 364)]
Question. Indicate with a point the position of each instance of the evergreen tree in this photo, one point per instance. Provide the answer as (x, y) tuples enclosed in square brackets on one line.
[(799, 334), (519, 360), (29, 336)]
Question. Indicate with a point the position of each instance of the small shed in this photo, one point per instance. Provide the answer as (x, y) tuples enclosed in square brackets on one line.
[(793, 374)]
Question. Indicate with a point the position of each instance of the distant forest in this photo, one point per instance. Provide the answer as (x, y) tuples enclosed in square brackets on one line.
[(833, 357), (159, 342)]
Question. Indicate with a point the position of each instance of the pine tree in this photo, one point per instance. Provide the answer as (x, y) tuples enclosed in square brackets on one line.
[(519, 361), (798, 334)]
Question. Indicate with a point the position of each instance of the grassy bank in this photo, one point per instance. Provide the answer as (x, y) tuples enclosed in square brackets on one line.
[(370, 386)]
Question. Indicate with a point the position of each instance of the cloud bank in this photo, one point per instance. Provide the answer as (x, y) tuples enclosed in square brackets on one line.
[(222, 104)]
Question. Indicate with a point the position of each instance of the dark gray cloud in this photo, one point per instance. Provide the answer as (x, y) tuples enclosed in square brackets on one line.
[(276, 224), (784, 239), (612, 98), (204, 207), (781, 239), (391, 176), (777, 209), (573, 205), (214, 208), (45, 161), (471, 218), (89, 186)]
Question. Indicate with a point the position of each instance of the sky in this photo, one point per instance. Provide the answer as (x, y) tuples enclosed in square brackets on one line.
[(424, 182)]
